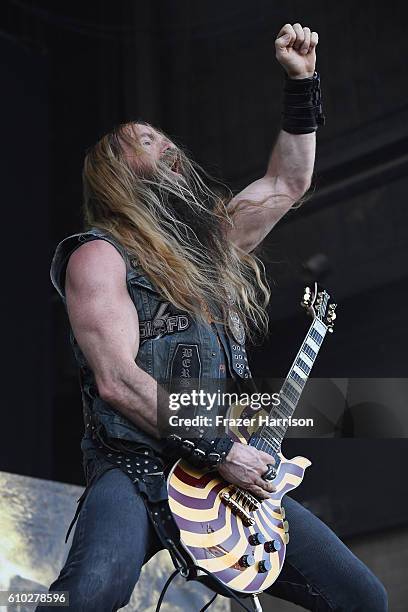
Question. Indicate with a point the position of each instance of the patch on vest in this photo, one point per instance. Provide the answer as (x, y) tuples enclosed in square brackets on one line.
[(235, 326), (164, 322), (186, 364)]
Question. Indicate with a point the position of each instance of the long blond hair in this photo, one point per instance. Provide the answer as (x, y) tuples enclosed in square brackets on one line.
[(140, 209)]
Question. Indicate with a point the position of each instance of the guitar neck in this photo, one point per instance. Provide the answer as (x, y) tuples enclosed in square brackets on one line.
[(292, 387)]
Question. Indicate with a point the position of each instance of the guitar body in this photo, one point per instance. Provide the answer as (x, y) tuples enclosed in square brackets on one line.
[(215, 536)]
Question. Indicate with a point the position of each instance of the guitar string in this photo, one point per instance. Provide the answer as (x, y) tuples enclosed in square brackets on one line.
[(265, 441), (265, 438)]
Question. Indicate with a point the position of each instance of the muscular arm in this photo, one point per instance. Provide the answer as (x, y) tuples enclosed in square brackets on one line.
[(258, 207), (105, 324)]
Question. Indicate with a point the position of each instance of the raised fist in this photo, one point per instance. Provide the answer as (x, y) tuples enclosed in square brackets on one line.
[(296, 50)]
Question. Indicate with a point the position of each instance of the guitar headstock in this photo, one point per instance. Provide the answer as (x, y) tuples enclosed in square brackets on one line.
[(316, 301)]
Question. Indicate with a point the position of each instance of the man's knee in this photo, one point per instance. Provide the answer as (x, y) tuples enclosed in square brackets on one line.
[(367, 594), (375, 596), (382, 597)]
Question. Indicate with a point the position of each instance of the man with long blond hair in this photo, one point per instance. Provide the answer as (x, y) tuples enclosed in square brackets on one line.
[(161, 288)]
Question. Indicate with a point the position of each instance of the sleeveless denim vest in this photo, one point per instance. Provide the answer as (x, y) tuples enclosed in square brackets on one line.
[(173, 344)]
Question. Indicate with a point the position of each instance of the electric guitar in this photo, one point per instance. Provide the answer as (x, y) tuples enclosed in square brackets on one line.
[(226, 530)]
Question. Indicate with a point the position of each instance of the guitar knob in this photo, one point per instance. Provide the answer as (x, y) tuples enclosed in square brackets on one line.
[(264, 566), (246, 560), (256, 538), (283, 512), (272, 546), (285, 526), (285, 538)]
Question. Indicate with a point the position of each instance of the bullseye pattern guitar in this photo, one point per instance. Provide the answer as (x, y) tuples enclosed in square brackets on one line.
[(226, 530)]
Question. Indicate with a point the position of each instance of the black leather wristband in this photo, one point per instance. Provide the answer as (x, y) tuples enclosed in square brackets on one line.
[(199, 451), (220, 449), (302, 105)]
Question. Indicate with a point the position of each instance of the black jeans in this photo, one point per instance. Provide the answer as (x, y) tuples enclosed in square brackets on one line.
[(320, 573)]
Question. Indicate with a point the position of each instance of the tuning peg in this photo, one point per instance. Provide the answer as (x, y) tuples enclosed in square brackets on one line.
[(331, 316), (306, 297)]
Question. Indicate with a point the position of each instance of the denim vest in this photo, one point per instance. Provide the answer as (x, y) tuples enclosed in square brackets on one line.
[(174, 345)]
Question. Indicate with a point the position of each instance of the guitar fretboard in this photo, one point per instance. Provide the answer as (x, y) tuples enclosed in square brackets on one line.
[(291, 389)]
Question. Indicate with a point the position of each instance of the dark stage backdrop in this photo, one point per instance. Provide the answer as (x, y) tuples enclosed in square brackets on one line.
[(205, 72), (27, 384)]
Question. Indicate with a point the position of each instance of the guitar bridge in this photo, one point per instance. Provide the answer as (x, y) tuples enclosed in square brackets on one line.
[(237, 508), (249, 500)]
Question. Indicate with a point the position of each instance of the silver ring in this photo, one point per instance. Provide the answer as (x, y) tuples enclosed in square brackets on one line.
[(270, 473)]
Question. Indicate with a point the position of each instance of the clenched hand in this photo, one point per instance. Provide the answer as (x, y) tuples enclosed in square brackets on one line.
[(295, 48)]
